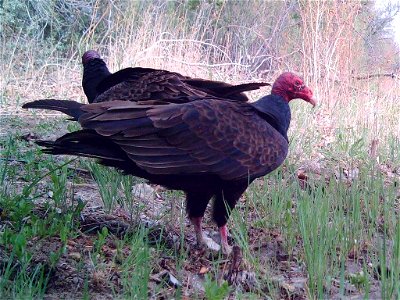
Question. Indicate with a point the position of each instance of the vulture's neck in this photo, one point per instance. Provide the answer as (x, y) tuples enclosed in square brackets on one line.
[(93, 73), (276, 111)]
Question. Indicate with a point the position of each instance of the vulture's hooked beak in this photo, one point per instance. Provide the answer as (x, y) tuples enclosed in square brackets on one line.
[(313, 101)]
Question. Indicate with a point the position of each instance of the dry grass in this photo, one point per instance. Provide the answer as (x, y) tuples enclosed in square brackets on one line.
[(348, 147)]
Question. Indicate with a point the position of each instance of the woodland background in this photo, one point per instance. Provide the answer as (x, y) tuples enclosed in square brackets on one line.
[(325, 225)]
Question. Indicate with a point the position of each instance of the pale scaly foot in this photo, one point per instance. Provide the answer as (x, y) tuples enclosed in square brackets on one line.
[(202, 239)]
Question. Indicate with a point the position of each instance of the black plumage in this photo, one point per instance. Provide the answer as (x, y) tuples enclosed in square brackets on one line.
[(138, 84), (208, 147)]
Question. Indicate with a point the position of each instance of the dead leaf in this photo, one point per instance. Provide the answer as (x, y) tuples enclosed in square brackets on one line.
[(75, 256), (203, 270)]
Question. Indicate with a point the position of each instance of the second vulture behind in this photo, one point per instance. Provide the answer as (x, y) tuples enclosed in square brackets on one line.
[(138, 84)]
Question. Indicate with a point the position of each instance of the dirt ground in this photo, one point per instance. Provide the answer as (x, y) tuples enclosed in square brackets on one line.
[(74, 273)]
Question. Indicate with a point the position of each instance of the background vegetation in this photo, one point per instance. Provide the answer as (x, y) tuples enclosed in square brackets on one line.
[(325, 225)]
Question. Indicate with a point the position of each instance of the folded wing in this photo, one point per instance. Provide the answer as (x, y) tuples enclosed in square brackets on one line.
[(226, 138), (138, 84)]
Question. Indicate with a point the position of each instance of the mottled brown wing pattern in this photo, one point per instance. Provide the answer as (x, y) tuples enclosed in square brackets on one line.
[(226, 138), (244, 142), (161, 85)]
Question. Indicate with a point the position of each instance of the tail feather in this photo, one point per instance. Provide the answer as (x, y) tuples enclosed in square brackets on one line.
[(68, 107), (243, 88), (85, 143)]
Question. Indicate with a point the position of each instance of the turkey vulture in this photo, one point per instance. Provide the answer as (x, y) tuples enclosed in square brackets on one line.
[(207, 147), (137, 84)]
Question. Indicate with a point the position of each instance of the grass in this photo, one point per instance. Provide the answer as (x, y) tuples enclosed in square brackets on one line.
[(337, 220), (335, 235), (339, 234)]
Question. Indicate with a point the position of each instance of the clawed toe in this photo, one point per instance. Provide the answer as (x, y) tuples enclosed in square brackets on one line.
[(210, 244), (226, 249)]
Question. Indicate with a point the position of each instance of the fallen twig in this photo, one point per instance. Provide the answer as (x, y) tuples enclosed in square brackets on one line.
[(391, 75)]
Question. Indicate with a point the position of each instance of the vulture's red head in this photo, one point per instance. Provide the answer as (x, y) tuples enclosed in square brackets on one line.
[(89, 55), (290, 86)]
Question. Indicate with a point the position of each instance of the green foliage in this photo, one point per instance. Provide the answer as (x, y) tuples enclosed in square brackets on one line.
[(110, 182), (318, 226), (25, 225), (350, 204), (99, 243), (137, 267), (215, 290), (54, 21)]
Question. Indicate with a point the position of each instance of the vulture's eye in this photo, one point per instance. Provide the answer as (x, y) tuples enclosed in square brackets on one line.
[(299, 85)]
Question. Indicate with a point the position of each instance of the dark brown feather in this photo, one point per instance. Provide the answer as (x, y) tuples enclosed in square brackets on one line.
[(140, 84), (208, 134)]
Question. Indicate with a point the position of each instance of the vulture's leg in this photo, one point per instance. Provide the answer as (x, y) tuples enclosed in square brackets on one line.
[(223, 233), (196, 205), (202, 239), (224, 202)]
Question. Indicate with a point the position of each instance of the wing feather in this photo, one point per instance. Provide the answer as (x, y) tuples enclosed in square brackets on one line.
[(226, 138)]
